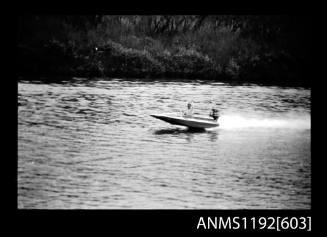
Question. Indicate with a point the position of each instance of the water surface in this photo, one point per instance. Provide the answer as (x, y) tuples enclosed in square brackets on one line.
[(92, 144)]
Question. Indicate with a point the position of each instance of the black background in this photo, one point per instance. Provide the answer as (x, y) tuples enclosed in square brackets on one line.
[(133, 222)]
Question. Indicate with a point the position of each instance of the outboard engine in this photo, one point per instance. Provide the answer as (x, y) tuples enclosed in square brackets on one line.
[(214, 114)]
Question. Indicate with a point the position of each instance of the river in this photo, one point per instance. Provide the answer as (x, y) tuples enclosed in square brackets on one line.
[(91, 144)]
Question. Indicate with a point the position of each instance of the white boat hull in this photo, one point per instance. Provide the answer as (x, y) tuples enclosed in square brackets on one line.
[(191, 122)]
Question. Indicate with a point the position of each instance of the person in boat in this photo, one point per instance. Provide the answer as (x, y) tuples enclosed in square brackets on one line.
[(189, 112), (214, 114)]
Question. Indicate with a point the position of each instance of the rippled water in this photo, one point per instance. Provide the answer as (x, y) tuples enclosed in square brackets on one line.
[(92, 144)]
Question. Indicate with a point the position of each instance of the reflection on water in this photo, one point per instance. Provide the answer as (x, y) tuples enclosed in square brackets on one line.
[(177, 131), (92, 144), (188, 134)]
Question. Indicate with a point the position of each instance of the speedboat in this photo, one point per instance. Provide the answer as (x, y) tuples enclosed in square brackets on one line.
[(187, 121)]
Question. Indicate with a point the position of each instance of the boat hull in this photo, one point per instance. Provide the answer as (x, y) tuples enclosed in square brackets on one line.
[(191, 122)]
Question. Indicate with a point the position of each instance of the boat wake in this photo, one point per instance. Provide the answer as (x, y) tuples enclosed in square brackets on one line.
[(302, 121)]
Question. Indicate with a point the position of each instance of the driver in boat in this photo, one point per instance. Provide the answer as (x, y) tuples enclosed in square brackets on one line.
[(214, 114), (189, 112)]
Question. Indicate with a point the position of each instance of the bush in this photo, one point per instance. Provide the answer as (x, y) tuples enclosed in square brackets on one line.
[(231, 47), (130, 62)]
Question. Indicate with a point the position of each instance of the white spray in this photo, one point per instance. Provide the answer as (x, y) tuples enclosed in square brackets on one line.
[(284, 120)]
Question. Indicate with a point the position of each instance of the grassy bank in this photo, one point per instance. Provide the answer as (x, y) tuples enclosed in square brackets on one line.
[(210, 48)]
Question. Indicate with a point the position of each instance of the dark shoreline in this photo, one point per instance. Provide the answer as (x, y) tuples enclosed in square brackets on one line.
[(268, 50), (57, 65)]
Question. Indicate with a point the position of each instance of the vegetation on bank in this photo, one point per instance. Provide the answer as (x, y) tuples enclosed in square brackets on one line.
[(242, 48)]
